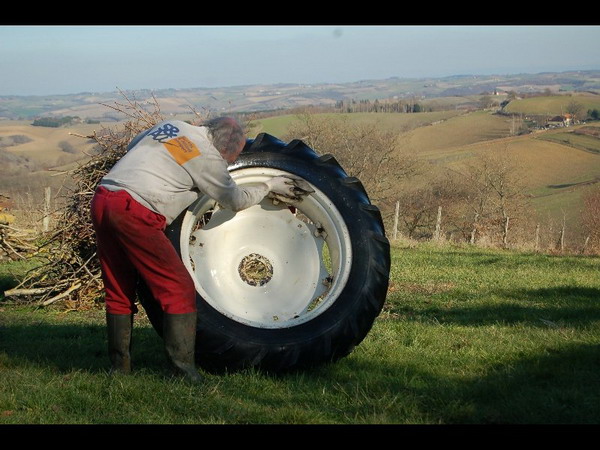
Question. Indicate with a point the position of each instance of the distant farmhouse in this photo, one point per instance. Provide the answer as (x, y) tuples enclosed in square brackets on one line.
[(560, 121)]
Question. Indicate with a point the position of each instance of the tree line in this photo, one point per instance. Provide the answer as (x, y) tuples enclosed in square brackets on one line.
[(55, 122), (377, 106)]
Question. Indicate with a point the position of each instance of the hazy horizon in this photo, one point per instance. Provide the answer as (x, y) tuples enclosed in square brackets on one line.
[(116, 90), (63, 60)]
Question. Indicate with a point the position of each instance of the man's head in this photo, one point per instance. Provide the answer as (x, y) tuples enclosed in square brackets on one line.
[(227, 136)]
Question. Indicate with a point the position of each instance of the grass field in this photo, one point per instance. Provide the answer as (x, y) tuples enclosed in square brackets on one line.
[(467, 336), (552, 105), (434, 142), (44, 142), (278, 125), (38, 159), (583, 138)]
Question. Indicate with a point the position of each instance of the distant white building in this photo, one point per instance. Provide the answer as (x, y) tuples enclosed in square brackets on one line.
[(561, 121)]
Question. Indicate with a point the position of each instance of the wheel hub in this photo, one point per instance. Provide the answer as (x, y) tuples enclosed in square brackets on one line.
[(255, 269)]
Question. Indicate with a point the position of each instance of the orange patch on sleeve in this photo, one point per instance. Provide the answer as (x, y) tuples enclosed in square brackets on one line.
[(182, 149)]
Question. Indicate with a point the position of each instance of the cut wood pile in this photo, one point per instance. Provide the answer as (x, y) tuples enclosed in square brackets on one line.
[(15, 242), (70, 270)]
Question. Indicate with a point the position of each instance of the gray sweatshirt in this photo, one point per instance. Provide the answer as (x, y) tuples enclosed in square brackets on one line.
[(169, 166)]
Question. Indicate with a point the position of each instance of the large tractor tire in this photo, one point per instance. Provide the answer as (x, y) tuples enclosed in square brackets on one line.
[(283, 287)]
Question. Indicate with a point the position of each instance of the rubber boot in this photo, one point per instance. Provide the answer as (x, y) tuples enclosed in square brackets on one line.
[(119, 328), (179, 334)]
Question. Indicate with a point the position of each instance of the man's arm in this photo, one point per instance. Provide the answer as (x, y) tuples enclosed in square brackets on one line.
[(214, 180)]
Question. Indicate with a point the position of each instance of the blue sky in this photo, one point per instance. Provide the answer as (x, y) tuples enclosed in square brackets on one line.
[(44, 60)]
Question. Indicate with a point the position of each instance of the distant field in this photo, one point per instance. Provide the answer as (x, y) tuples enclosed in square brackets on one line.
[(553, 167), (425, 133), (45, 145), (275, 126), (584, 138), (451, 139), (435, 142), (552, 105), (546, 166), (555, 175), (27, 168), (451, 102), (278, 126)]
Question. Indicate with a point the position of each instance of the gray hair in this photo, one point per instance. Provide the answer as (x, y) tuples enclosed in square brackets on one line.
[(226, 134)]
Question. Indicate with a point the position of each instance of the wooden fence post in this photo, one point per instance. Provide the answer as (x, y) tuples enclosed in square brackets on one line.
[(46, 219), (474, 230), (396, 220), (585, 244), (438, 224), (562, 237)]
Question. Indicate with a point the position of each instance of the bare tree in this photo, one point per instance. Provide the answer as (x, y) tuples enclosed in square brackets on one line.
[(420, 207), (575, 109), (365, 150), (417, 212), (486, 101), (495, 196)]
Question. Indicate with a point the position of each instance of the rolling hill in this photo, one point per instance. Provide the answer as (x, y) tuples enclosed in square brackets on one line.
[(447, 91), (558, 165), (555, 172)]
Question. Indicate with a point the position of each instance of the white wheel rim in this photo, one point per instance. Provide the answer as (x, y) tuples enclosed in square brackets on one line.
[(264, 266)]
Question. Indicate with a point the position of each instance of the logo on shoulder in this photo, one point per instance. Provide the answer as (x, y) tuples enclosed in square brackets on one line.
[(182, 149), (165, 132)]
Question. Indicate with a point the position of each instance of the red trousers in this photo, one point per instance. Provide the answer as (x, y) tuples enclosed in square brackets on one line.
[(132, 244)]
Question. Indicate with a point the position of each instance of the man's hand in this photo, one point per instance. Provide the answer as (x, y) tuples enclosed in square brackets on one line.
[(287, 188), (282, 186)]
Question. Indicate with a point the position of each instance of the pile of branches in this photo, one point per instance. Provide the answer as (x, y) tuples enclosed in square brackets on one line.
[(15, 243), (70, 270)]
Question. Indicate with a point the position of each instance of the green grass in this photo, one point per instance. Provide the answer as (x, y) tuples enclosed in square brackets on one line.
[(468, 335), (276, 126), (12, 271)]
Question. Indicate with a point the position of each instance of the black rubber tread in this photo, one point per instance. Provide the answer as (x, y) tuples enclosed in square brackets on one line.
[(227, 345)]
